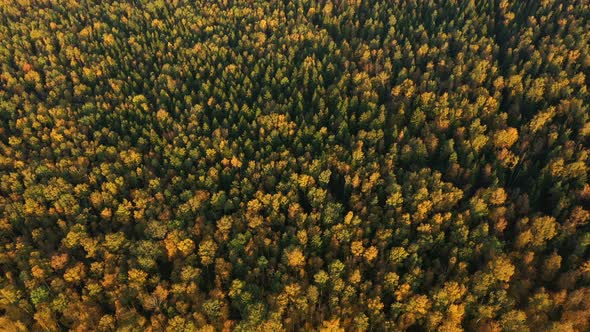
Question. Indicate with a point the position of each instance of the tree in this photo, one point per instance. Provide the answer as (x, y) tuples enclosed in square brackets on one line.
[(207, 251)]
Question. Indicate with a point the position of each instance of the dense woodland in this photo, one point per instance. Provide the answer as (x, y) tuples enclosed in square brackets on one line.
[(333, 165)]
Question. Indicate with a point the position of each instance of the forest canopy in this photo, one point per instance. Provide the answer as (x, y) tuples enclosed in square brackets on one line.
[(334, 165)]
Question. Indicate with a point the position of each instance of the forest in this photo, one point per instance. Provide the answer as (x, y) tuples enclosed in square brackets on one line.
[(295, 165)]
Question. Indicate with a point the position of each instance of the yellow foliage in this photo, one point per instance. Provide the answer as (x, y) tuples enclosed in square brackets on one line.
[(419, 304), (402, 292), (235, 162), (506, 138), (331, 326), (302, 236), (375, 304), (75, 274), (170, 244), (371, 253), (498, 196), (254, 220), (355, 277), (58, 262), (502, 268), (295, 258), (292, 290), (8, 325), (207, 251), (348, 218), (106, 213), (357, 248), (137, 276), (108, 39), (37, 272), (186, 246)]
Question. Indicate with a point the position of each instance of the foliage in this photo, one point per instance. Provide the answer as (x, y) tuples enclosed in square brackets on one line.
[(294, 165)]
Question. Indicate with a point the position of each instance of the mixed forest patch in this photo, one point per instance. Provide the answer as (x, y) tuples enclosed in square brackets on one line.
[(301, 165)]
